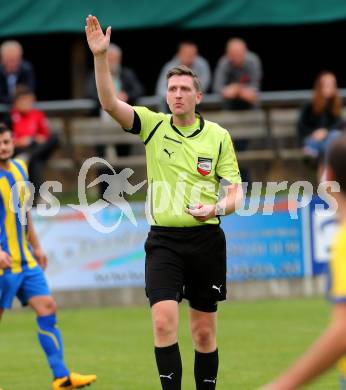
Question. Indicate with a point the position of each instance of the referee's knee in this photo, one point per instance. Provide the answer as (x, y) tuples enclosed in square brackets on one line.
[(204, 337), (165, 323), (162, 326)]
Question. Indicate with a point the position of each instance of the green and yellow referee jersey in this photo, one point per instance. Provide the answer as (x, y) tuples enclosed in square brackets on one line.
[(13, 233), (184, 165)]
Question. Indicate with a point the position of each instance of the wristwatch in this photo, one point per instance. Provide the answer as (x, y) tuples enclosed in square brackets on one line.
[(219, 211)]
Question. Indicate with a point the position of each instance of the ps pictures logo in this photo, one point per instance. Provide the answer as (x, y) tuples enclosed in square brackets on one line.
[(118, 185)]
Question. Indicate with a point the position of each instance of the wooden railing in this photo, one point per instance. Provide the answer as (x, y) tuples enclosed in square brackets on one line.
[(267, 128)]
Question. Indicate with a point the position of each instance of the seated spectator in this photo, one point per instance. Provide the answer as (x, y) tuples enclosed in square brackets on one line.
[(14, 71), (126, 84), (187, 54), (237, 76), (33, 140), (320, 120)]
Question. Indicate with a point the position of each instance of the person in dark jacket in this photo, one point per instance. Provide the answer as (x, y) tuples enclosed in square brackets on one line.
[(320, 120), (238, 76), (126, 83), (14, 71)]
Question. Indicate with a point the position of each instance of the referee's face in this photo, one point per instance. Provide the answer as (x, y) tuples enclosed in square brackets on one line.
[(182, 95)]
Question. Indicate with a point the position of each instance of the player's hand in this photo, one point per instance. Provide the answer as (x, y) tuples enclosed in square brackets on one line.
[(40, 139), (202, 212), (248, 94), (319, 134), (97, 41), (231, 91), (123, 96), (40, 257), (5, 260), (23, 142)]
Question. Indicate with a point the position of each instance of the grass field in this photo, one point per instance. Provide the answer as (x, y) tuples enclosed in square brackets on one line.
[(256, 341)]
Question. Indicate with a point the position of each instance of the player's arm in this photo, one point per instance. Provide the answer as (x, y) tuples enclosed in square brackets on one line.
[(323, 354), (98, 43), (5, 260), (38, 252), (249, 94)]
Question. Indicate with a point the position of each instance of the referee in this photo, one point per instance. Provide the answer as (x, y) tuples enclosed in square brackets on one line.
[(187, 158)]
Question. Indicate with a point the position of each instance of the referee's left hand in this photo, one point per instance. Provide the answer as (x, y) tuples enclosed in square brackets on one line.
[(203, 212), (40, 257)]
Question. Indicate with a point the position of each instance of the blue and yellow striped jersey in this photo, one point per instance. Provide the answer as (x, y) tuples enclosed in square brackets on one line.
[(337, 267), (13, 200)]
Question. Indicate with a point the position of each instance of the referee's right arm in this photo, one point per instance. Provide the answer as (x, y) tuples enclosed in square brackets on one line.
[(98, 43)]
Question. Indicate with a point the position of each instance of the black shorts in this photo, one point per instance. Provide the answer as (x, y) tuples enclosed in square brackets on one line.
[(186, 263)]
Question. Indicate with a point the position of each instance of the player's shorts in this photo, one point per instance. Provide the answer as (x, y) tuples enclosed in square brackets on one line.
[(186, 263), (28, 283)]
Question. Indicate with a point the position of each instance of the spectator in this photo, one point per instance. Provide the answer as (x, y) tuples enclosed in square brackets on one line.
[(237, 76), (14, 71), (127, 87), (187, 55), (320, 120), (32, 137), (126, 83)]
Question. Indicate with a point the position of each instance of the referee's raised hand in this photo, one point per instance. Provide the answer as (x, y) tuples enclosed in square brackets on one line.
[(98, 41)]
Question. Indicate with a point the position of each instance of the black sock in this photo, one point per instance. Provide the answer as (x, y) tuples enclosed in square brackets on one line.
[(168, 362), (206, 366)]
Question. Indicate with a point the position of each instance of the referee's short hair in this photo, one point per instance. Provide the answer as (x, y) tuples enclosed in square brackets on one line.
[(337, 160), (183, 70)]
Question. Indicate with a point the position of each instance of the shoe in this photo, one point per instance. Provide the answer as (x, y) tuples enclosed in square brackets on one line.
[(73, 381)]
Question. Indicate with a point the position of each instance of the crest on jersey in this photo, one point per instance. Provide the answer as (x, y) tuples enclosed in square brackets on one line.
[(204, 165)]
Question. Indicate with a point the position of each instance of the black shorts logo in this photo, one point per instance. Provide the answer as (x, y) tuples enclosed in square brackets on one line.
[(204, 165)]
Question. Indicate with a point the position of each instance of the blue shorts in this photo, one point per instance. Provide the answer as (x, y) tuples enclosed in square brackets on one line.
[(24, 285)]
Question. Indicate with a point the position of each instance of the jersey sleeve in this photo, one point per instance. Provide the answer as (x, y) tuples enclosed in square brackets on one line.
[(145, 121), (337, 270), (227, 165), (24, 167)]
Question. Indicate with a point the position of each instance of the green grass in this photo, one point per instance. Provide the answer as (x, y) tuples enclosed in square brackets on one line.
[(256, 340)]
